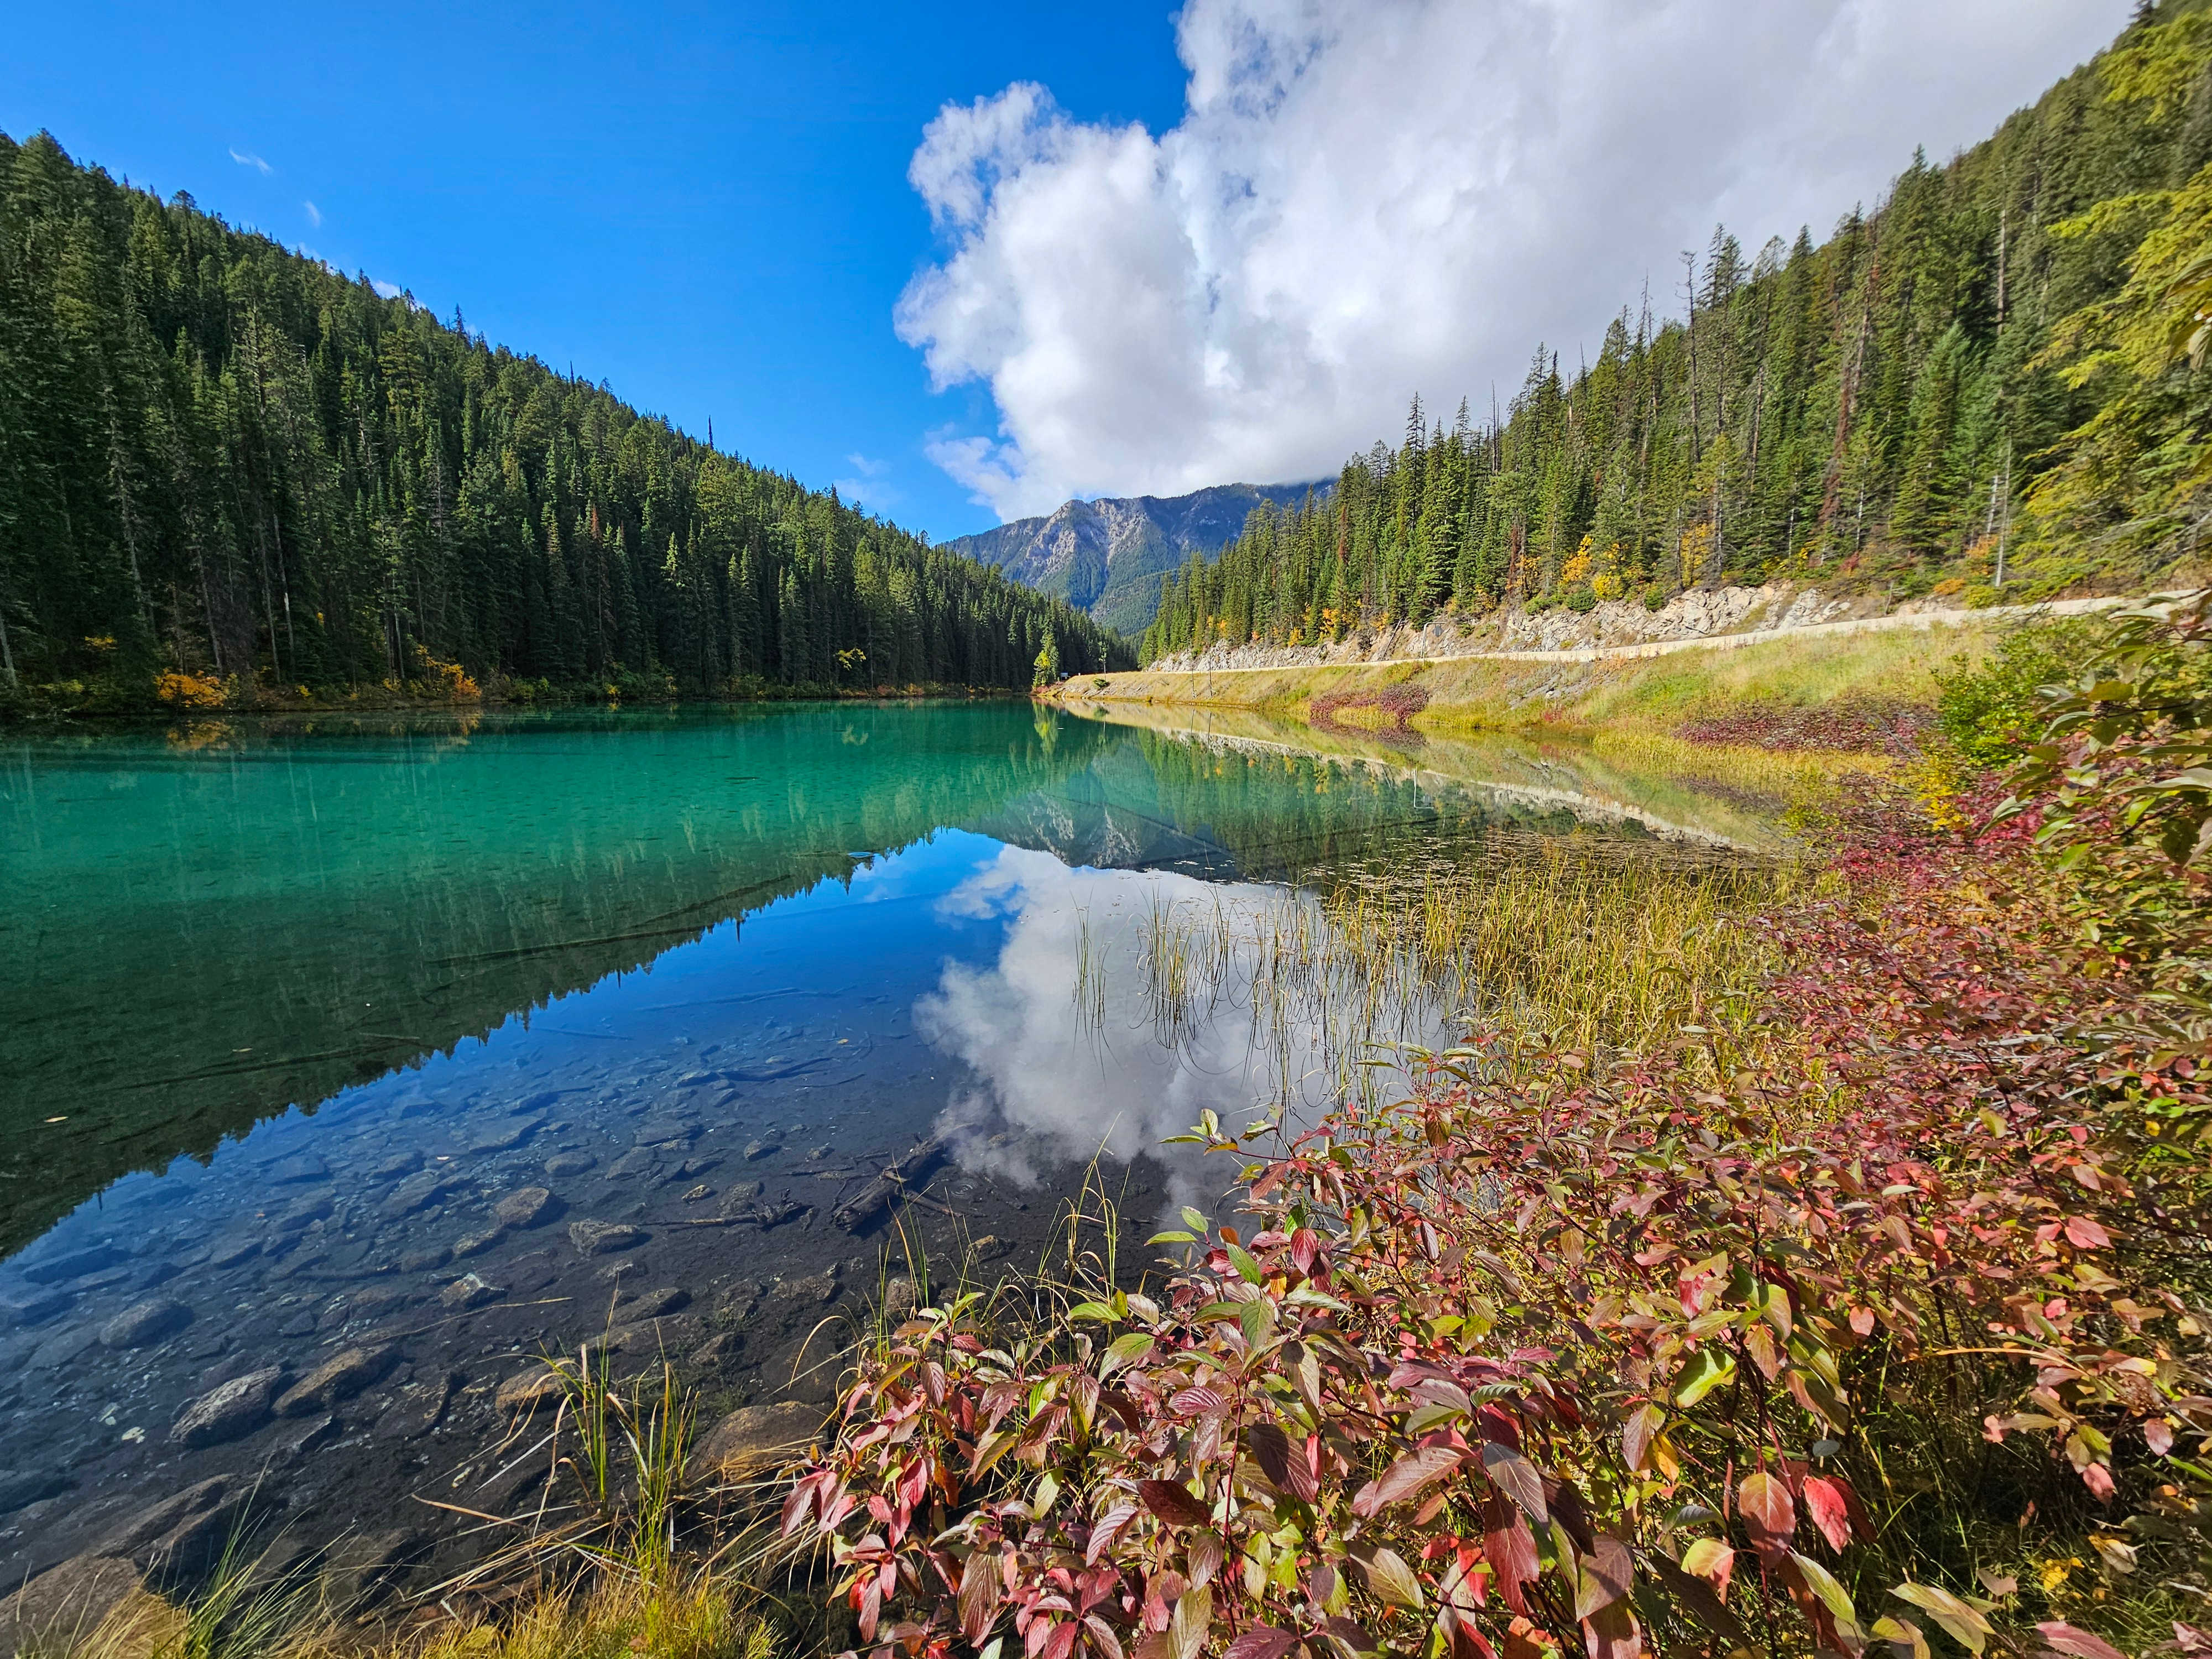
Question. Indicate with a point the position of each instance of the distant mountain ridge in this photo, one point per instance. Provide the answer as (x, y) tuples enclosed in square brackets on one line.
[(1107, 556)]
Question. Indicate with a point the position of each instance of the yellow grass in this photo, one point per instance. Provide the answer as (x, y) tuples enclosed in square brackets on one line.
[(1472, 693), (699, 1618)]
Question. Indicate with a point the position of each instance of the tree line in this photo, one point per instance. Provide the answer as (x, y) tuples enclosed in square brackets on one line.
[(1995, 378), (218, 457)]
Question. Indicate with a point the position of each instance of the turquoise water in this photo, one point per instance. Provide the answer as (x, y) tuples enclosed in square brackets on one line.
[(289, 1011)]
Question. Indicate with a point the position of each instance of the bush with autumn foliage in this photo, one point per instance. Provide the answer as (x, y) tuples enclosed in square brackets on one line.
[(1870, 1311)]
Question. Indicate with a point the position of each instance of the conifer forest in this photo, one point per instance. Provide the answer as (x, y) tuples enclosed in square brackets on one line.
[(1988, 380), (223, 461)]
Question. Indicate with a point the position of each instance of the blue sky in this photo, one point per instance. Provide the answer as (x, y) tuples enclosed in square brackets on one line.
[(1145, 247), (706, 206)]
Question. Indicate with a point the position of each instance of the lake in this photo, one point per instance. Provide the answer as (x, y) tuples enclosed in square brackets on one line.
[(406, 1049)]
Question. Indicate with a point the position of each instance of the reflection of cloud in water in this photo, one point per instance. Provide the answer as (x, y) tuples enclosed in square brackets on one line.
[(1064, 1032)]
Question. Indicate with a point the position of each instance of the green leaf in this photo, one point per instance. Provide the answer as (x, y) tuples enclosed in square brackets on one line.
[(1966, 1626), (1709, 1369), (1128, 1350), (1248, 1268), (1173, 1238), (1392, 1580), (1097, 1310), (1194, 1617), (1196, 1222), (1834, 1596)]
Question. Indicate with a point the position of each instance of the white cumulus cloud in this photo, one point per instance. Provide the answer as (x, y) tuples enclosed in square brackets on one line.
[(389, 290), (1368, 197)]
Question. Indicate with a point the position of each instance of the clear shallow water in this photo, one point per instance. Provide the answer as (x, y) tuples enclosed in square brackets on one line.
[(288, 1013)]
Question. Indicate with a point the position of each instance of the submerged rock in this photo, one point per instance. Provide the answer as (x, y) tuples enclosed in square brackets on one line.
[(469, 1292), (501, 1135), (229, 1410), (360, 1567), (71, 1264), (601, 1237), (300, 1166), (296, 1218), (814, 1287), (20, 1488), (526, 1391), (526, 1206), (62, 1348), (568, 1164), (478, 1242), (156, 1530), (417, 1192), (753, 1436), (653, 1303), (338, 1378), (229, 1252), (148, 1321), (29, 1307)]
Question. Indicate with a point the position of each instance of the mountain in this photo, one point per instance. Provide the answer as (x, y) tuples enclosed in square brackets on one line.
[(226, 466), (1107, 556), (1997, 376)]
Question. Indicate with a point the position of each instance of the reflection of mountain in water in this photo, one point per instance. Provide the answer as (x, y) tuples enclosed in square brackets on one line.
[(192, 940)]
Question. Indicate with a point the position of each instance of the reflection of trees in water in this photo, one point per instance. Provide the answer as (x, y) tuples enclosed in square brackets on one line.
[(160, 1021)]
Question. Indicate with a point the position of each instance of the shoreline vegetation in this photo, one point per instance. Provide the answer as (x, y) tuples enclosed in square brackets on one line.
[(1821, 1268)]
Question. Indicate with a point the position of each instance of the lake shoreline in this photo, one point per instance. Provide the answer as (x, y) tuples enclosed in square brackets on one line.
[(32, 705), (1909, 998)]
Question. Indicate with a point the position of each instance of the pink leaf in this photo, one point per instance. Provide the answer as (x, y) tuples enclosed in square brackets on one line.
[(1824, 1502), (1516, 1477), (1636, 1434), (1104, 1535), (2099, 1480), (2084, 1234), (979, 1597), (1405, 1478), (1305, 1245), (2072, 1639), (1172, 1502), (1511, 1552), (1769, 1514), (2159, 1433), (1263, 1642)]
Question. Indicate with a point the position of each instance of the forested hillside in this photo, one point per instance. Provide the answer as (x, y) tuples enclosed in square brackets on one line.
[(1996, 376), (224, 461)]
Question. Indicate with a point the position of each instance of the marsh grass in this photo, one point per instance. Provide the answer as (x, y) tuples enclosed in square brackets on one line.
[(703, 1617), (1578, 944)]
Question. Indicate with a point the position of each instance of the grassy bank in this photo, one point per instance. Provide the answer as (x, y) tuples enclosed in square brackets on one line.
[(1473, 694)]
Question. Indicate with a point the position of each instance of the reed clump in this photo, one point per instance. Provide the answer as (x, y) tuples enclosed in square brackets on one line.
[(1570, 941)]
